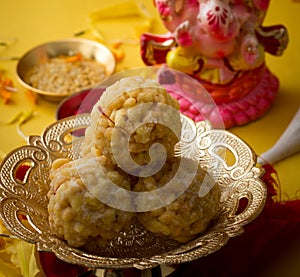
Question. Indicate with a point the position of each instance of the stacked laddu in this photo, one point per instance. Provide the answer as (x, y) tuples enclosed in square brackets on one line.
[(128, 170)]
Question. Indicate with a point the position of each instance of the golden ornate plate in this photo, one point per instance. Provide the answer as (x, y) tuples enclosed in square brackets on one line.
[(23, 203)]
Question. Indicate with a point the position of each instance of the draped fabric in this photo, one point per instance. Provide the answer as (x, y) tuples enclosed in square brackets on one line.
[(266, 241)]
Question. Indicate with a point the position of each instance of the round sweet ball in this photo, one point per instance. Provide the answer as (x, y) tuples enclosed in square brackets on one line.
[(188, 205), (131, 116), (78, 210)]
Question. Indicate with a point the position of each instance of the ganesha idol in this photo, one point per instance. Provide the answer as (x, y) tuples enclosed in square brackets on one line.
[(222, 44)]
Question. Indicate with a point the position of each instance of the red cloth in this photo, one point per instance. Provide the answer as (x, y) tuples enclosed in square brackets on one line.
[(266, 240)]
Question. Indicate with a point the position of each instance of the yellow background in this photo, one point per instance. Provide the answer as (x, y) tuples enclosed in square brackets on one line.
[(33, 22)]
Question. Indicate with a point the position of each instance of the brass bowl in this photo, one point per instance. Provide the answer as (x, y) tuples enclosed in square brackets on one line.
[(238, 177), (87, 48)]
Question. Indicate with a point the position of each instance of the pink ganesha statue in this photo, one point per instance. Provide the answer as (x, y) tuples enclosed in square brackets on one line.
[(222, 44)]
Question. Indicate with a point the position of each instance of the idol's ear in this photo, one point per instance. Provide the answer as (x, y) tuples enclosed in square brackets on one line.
[(154, 48), (274, 38)]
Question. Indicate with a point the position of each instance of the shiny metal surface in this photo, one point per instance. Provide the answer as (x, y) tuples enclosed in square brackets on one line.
[(133, 247)]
